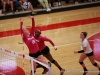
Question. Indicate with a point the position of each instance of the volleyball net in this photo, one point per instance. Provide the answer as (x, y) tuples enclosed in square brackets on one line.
[(14, 63)]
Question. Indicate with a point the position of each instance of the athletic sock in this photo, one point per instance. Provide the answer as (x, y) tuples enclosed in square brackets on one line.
[(85, 69)]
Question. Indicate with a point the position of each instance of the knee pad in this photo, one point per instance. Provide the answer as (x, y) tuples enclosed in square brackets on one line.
[(95, 64), (53, 61), (81, 63)]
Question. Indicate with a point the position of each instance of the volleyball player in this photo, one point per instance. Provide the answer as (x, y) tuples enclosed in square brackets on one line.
[(31, 43), (86, 52), (45, 49)]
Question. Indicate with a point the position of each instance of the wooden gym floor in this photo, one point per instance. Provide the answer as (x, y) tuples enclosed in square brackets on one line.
[(66, 38)]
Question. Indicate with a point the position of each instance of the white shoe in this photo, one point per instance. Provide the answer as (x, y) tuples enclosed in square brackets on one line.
[(59, 3), (48, 10)]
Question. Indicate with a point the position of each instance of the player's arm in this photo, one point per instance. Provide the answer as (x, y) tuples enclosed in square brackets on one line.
[(33, 25), (21, 28), (80, 51), (84, 48), (50, 41)]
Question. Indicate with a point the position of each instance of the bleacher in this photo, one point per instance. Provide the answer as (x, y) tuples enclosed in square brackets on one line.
[(54, 9)]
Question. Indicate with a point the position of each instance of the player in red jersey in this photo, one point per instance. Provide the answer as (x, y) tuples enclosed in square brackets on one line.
[(31, 43), (45, 49)]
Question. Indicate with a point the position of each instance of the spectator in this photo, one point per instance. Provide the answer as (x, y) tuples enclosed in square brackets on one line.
[(51, 3), (59, 3), (5, 3), (34, 3), (26, 5), (17, 4), (45, 4)]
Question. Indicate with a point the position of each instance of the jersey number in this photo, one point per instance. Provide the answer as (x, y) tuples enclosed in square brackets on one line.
[(33, 41)]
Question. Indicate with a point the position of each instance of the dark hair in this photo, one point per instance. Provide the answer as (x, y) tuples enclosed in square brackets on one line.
[(85, 34), (38, 30)]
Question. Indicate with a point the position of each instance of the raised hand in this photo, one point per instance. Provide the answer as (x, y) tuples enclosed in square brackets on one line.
[(30, 16), (21, 20), (75, 52), (55, 47)]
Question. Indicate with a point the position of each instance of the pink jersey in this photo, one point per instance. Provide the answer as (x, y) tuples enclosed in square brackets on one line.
[(30, 41), (40, 41)]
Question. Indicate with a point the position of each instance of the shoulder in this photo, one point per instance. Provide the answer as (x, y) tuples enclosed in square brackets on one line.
[(42, 38), (85, 41)]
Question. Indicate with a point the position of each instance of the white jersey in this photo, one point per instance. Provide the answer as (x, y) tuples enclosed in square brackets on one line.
[(26, 5), (86, 44)]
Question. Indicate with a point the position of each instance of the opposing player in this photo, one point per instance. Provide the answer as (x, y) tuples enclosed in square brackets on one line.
[(45, 49), (30, 41), (86, 52)]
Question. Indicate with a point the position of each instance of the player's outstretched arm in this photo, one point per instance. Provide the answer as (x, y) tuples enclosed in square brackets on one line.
[(21, 28), (51, 42), (33, 25)]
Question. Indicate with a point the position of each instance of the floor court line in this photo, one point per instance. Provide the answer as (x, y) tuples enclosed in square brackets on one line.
[(69, 44), (60, 16), (55, 26), (73, 43)]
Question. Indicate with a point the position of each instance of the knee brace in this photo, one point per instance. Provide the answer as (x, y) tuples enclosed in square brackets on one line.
[(95, 64), (53, 61), (81, 63)]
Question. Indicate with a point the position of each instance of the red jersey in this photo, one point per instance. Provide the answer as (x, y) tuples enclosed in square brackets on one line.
[(30, 41), (40, 41)]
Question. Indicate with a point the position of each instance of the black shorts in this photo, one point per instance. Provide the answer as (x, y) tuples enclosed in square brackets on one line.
[(46, 50), (35, 55), (90, 54)]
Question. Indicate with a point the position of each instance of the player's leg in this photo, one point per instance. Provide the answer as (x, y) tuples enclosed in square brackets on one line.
[(46, 53), (50, 58), (91, 58), (42, 59), (81, 59), (34, 66)]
